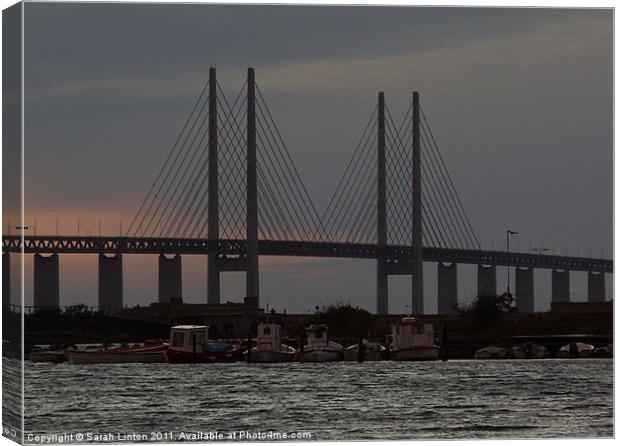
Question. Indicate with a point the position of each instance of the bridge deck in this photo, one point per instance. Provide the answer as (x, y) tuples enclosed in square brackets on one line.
[(396, 254)]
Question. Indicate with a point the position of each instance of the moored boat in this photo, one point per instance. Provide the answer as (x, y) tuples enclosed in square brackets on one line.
[(371, 351), (576, 350), (319, 348), (189, 344), (491, 352), (269, 347), (413, 341), (52, 356), (143, 354), (604, 352), (529, 350)]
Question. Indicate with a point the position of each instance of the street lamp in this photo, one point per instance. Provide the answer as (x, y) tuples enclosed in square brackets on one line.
[(508, 234)]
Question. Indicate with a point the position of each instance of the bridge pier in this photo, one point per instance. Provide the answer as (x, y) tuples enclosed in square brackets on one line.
[(110, 282), (46, 281), (6, 279), (382, 287), (524, 289), (560, 286), (447, 288), (596, 287), (170, 278), (487, 280)]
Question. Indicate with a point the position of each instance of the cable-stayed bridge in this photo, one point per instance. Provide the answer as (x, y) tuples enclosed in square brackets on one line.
[(230, 189)]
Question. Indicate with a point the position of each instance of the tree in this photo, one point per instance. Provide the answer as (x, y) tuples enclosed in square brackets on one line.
[(487, 309)]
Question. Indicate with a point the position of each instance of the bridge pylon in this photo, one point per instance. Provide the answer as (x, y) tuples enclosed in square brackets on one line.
[(382, 275), (213, 223)]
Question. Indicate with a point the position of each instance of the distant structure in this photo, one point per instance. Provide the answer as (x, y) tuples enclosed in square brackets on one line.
[(230, 190)]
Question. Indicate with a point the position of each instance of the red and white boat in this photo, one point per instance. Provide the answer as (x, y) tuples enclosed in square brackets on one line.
[(189, 344), (143, 354)]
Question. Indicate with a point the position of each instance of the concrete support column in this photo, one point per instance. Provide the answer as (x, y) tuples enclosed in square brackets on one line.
[(417, 266), (251, 276), (46, 281), (447, 288), (6, 279), (382, 277), (560, 286), (213, 218), (170, 278), (110, 282), (596, 287), (524, 289), (487, 280)]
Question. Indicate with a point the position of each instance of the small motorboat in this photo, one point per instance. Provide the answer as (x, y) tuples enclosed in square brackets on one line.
[(529, 350), (45, 355), (491, 352), (604, 352), (189, 344), (371, 351), (413, 341), (151, 353), (319, 348), (269, 347), (576, 350)]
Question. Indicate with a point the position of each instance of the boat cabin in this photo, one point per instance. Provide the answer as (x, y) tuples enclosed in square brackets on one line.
[(189, 338), (317, 335), (268, 337), (409, 332)]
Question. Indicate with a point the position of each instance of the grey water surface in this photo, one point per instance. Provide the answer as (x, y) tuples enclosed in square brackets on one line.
[(331, 401)]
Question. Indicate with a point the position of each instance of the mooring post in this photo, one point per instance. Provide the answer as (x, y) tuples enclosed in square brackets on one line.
[(251, 276), (361, 350), (382, 277), (444, 343), (213, 223), (417, 286)]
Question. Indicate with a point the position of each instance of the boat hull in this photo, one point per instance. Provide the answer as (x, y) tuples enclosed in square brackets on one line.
[(181, 357), (108, 357), (318, 355), (55, 357), (491, 353), (416, 354), (369, 355), (265, 356)]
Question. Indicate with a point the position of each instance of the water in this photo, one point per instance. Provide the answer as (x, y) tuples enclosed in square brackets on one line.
[(337, 401)]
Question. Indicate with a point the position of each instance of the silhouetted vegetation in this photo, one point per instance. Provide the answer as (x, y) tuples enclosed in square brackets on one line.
[(343, 319), (487, 309)]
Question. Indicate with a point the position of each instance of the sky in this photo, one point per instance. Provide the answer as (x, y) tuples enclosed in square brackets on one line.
[(520, 102)]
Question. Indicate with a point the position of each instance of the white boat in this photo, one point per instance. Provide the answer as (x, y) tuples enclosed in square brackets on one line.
[(576, 350), (529, 351), (491, 352), (604, 352), (269, 347), (142, 354), (373, 351), (413, 341), (319, 348)]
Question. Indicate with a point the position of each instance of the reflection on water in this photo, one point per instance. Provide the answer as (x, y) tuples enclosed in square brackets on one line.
[(336, 401)]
